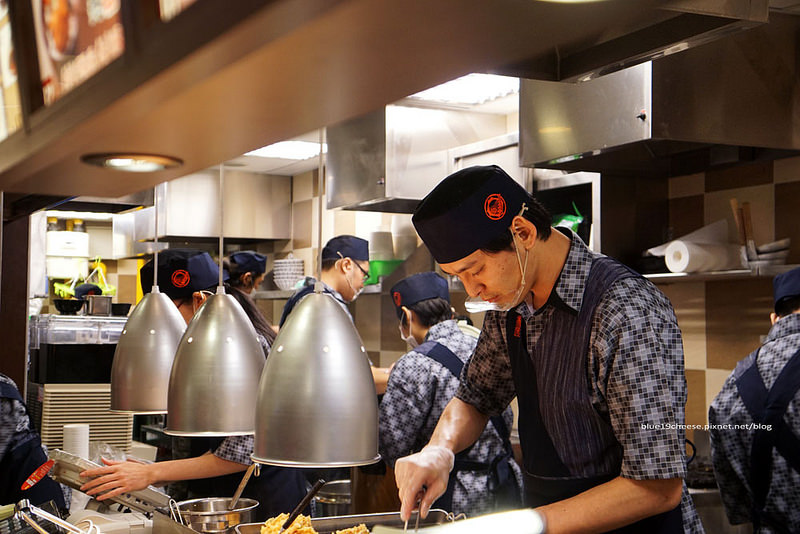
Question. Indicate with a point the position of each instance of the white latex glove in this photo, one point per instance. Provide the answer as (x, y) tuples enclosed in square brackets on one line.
[(422, 477)]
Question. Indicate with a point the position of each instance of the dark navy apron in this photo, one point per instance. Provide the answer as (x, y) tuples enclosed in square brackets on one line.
[(502, 482), (20, 462), (767, 407), (555, 405), (277, 489)]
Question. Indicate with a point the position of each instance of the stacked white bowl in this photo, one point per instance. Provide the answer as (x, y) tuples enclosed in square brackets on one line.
[(287, 272)]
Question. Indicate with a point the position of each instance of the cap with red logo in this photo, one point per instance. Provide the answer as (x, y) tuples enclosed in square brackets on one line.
[(181, 272), (416, 288), (467, 210)]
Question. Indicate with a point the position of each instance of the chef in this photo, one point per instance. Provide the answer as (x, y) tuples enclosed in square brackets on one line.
[(591, 349), (755, 423), (186, 276), (345, 268), (246, 270), (485, 477)]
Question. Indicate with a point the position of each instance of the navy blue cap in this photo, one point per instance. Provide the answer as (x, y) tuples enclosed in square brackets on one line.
[(786, 285), (248, 261), (467, 210), (416, 288), (181, 272), (87, 289), (349, 246)]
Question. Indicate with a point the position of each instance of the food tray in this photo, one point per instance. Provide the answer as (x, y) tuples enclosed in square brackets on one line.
[(326, 525), (67, 471)]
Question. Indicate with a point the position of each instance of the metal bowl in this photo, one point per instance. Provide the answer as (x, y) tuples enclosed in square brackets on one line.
[(211, 514)]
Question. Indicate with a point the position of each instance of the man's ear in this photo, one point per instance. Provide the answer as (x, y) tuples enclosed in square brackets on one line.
[(525, 230), (198, 299)]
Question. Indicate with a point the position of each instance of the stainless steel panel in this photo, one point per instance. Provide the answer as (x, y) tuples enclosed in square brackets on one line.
[(725, 102), (392, 158), (256, 206), (560, 120)]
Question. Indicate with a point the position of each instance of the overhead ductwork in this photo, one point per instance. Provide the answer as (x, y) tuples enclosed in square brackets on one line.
[(724, 103)]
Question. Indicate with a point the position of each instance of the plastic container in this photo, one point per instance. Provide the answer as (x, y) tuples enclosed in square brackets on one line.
[(379, 268)]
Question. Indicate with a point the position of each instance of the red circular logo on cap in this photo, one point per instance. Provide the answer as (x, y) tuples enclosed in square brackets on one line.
[(495, 206), (398, 299), (180, 278)]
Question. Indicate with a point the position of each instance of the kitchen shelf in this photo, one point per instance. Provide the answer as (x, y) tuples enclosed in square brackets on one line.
[(275, 294), (736, 274)]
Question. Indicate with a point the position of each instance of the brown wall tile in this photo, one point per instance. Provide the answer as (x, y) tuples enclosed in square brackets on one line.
[(685, 215), (301, 224), (737, 314), (787, 224), (126, 288), (739, 176), (696, 413)]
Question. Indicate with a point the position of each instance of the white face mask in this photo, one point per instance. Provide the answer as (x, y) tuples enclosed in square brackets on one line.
[(477, 304), (410, 340)]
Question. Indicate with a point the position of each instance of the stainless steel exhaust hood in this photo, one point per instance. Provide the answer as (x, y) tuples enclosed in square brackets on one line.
[(390, 159), (727, 102)]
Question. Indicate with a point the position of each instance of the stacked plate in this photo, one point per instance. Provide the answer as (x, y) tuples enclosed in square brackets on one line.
[(287, 272), (774, 253)]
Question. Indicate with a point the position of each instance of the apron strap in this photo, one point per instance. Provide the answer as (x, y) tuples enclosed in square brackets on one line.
[(444, 356), (767, 408)]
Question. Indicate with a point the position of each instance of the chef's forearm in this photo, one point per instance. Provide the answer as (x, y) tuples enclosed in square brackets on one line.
[(609, 506), (459, 426), (205, 466)]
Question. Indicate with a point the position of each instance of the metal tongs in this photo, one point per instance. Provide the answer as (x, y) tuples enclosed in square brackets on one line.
[(419, 500), (299, 508), (24, 510)]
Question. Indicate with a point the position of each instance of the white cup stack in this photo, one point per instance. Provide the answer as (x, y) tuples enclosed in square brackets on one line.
[(76, 439), (287, 272)]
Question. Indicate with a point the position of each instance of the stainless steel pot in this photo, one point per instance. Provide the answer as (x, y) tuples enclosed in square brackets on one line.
[(211, 514), (334, 498)]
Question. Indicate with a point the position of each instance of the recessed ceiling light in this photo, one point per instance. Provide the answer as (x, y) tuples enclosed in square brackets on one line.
[(128, 162), (472, 89), (297, 150)]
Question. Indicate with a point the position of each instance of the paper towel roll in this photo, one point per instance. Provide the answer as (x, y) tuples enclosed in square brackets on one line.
[(76, 439), (687, 257)]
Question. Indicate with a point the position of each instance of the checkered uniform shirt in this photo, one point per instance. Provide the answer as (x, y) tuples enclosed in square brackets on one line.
[(634, 369), (730, 448), (419, 388)]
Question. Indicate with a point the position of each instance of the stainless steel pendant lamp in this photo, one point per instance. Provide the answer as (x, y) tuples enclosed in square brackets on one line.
[(317, 405), (214, 379), (146, 348)]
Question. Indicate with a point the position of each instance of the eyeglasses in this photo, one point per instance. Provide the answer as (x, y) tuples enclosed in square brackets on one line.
[(360, 268)]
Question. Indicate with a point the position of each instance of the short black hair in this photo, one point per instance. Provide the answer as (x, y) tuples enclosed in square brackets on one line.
[(537, 214), (431, 311), (787, 306)]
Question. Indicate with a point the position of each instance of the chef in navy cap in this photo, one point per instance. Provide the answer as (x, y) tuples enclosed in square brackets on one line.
[(345, 268), (591, 349), (755, 422), (421, 384), (181, 274), (246, 270)]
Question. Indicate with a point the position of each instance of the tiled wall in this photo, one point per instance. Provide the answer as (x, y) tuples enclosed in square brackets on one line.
[(373, 314), (723, 320)]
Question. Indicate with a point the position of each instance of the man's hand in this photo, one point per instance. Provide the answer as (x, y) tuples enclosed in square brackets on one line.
[(423, 477), (116, 478)]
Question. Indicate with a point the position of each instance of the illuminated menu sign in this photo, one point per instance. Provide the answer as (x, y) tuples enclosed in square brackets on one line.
[(75, 39), (11, 114), (169, 9)]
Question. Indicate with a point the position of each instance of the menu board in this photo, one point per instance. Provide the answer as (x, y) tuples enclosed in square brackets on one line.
[(11, 116), (75, 39)]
